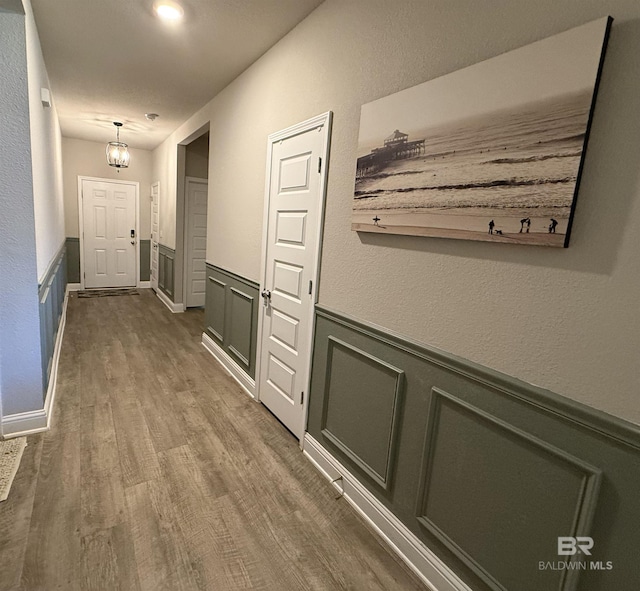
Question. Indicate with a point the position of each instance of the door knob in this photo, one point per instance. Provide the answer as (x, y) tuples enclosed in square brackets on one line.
[(266, 295), (133, 242)]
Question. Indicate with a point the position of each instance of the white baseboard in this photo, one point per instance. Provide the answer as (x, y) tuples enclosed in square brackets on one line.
[(175, 308), (74, 286), (24, 423), (36, 421), (436, 575), (144, 284), (246, 381)]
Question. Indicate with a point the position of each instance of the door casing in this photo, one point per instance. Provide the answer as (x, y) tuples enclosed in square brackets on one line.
[(155, 240), (81, 221), (324, 120)]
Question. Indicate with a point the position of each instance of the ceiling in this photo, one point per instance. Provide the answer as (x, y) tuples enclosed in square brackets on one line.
[(113, 60)]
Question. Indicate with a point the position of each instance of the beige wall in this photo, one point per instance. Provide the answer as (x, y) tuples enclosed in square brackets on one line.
[(165, 167), (567, 320), (46, 155), (83, 158)]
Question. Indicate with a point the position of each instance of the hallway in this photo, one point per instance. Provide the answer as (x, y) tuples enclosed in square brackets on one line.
[(160, 473)]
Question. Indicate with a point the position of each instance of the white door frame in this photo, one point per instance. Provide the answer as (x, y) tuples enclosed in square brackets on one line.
[(323, 120), (185, 258), (135, 184), (154, 184)]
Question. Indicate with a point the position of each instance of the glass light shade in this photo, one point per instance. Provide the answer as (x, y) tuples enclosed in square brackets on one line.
[(168, 10), (118, 154)]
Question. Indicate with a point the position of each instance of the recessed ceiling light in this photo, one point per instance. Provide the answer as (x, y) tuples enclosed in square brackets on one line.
[(168, 10)]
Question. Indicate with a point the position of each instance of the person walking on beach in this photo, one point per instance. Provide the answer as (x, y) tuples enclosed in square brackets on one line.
[(523, 221), (552, 226), (528, 224), (491, 226)]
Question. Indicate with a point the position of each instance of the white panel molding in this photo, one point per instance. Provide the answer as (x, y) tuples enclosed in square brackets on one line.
[(36, 421), (434, 573), (144, 285), (74, 286), (175, 308), (246, 381)]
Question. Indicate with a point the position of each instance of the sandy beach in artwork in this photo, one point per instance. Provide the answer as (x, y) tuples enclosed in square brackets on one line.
[(463, 224)]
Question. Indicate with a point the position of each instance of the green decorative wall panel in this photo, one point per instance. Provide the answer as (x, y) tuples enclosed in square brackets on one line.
[(145, 260), (51, 293), (357, 380), (549, 492), (73, 259), (231, 315), (486, 470), (166, 265)]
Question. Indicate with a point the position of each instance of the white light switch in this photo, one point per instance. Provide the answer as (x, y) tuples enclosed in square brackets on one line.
[(45, 97)]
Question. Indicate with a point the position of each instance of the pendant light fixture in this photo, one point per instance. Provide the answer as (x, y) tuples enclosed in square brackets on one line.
[(118, 152)]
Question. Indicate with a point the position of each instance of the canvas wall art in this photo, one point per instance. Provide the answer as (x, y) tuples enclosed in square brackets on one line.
[(492, 152)]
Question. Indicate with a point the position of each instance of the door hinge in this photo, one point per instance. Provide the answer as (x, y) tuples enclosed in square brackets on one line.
[(310, 286), (320, 164), (301, 397)]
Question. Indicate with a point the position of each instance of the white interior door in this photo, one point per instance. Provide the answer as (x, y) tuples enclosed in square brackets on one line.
[(196, 241), (292, 244), (155, 233), (109, 234)]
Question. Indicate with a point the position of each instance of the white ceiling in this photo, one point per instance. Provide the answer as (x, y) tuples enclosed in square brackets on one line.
[(113, 60)]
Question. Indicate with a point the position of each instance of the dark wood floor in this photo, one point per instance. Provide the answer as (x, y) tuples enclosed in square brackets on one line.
[(161, 473)]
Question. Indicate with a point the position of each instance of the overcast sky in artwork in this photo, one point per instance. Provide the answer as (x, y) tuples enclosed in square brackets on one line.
[(565, 63)]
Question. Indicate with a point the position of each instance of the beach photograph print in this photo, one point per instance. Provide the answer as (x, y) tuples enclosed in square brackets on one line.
[(492, 152)]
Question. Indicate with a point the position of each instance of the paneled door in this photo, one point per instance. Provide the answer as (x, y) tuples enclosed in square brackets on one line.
[(293, 221), (109, 233), (196, 241), (155, 233)]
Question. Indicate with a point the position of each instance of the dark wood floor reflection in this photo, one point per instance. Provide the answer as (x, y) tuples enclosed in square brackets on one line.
[(161, 473)]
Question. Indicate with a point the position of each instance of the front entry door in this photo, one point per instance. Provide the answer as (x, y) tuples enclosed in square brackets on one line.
[(109, 242), (294, 222), (155, 233)]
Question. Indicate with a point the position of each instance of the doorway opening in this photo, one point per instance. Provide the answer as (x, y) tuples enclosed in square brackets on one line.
[(191, 219)]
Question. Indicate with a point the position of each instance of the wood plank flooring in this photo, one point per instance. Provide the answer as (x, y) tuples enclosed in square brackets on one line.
[(160, 473)]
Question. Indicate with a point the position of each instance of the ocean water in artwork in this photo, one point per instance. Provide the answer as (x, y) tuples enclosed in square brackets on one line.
[(508, 176)]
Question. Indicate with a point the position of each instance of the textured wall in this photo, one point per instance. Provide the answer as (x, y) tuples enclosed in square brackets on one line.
[(46, 155), (83, 158), (566, 320), (20, 368), (164, 170)]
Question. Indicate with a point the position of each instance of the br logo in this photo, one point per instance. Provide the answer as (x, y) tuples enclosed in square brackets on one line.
[(568, 546)]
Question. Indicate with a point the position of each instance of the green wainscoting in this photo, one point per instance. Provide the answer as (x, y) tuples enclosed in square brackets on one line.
[(145, 260), (166, 266), (486, 470), (73, 259), (51, 294), (231, 315)]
